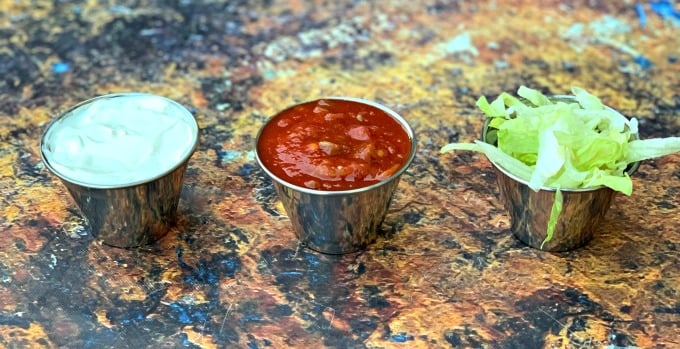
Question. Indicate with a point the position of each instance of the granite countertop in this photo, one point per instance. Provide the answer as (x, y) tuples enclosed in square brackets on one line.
[(447, 274)]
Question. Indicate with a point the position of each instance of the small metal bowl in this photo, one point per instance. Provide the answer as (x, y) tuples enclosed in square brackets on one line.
[(582, 210), (339, 222), (129, 214)]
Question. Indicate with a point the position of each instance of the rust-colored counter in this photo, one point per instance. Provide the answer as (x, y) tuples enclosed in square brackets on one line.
[(447, 274)]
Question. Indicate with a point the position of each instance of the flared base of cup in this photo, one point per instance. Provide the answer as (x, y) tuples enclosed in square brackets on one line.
[(125, 239), (563, 244)]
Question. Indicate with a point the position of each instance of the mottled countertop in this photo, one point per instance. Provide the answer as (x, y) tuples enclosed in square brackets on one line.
[(447, 274)]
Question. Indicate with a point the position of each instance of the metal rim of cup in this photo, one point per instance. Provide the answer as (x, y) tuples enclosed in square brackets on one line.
[(404, 124), (68, 111), (630, 169)]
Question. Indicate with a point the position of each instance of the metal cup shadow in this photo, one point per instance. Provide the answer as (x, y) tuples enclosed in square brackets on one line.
[(339, 222), (529, 210)]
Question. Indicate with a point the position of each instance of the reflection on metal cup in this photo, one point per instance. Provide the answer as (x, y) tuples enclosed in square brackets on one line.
[(582, 210), (131, 216), (339, 222), (127, 203)]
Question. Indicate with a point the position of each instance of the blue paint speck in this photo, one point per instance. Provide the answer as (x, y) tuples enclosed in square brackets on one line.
[(642, 17), (205, 274), (182, 315), (246, 169), (61, 67), (185, 339), (186, 314), (184, 318), (312, 260), (665, 10), (134, 317), (228, 155), (230, 267), (250, 318), (643, 62), (401, 337)]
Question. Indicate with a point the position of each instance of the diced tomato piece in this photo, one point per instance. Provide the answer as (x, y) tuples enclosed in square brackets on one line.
[(360, 133)]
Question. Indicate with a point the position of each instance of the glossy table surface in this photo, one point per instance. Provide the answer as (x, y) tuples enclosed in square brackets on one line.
[(447, 272)]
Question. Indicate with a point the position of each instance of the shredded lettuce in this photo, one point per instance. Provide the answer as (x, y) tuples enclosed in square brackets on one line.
[(639, 150), (555, 211), (563, 143)]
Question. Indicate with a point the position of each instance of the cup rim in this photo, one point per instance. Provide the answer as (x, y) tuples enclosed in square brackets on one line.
[(630, 169), (394, 115), (66, 112)]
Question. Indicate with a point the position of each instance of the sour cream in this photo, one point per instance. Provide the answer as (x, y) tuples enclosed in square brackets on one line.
[(119, 140)]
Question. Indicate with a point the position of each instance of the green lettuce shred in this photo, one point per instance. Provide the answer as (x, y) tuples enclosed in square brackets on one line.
[(568, 143), (555, 211)]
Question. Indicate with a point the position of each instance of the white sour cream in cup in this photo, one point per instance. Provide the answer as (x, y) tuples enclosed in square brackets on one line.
[(119, 140)]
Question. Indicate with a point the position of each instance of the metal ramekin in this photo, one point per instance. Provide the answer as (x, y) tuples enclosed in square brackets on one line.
[(338, 222)]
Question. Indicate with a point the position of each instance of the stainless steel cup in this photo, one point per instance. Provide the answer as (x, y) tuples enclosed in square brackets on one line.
[(582, 210), (338, 222), (127, 215)]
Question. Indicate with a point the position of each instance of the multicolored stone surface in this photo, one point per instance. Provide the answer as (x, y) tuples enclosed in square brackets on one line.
[(446, 274)]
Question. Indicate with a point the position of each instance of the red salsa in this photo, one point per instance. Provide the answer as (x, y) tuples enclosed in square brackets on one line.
[(333, 145)]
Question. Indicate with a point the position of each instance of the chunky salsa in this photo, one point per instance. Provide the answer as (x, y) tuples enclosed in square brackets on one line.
[(333, 144)]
